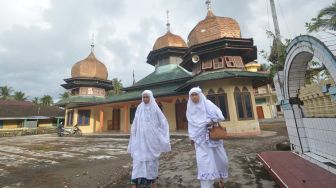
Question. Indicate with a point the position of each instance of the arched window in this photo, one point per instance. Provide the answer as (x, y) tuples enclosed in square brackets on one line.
[(248, 103), (83, 117), (243, 104), (220, 100)]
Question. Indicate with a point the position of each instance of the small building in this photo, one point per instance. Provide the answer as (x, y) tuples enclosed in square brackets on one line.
[(24, 114), (213, 58)]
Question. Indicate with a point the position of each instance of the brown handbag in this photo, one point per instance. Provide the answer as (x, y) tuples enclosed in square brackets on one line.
[(217, 132)]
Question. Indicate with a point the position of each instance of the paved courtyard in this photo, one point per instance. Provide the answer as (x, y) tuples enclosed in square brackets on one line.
[(51, 161)]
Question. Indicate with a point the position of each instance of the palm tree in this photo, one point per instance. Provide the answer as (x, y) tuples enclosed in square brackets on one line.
[(36, 100), (117, 86), (325, 20), (19, 96), (64, 95), (46, 100), (6, 92)]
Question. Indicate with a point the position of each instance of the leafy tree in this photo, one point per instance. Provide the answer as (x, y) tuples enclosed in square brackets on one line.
[(276, 59), (20, 96), (64, 95), (6, 92), (117, 87), (46, 100), (325, 20)]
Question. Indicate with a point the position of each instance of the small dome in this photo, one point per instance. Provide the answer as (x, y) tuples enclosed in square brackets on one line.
[(212, 28), (89, 67), (169, 40)]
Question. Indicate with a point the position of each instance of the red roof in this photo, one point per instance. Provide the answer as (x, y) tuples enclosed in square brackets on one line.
[(19, 109)]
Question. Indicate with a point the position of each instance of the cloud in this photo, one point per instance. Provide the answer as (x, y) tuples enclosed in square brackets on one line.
[(40, 40)]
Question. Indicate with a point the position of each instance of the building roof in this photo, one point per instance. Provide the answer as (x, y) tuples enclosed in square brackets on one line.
[(169, 40), (161, 75), (158, 91), (87, 82), (222, 74), (257, 78), (212, 28), (25, 109), (89, 67)]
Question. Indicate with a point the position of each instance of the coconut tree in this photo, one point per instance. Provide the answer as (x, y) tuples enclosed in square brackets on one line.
[(46, 100), (6, 92), (64, 95), (20, 96), (325, 20), (117, 86)]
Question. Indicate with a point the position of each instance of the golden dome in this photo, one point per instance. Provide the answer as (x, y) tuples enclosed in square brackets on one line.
[(89, 67), (212, 28), (169, 40)]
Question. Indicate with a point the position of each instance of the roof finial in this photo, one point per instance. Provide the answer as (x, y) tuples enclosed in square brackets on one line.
[(168, 24), (92, 43), (208, 3)]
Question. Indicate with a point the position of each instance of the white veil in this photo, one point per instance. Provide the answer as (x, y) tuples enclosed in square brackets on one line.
[(149, 132), (200, 114)]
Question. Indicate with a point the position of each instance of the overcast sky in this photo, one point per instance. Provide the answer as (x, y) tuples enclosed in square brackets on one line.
[(40, 40)]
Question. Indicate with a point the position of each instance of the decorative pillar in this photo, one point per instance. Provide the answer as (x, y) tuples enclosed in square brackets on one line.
[(126, 118), (101, 119)]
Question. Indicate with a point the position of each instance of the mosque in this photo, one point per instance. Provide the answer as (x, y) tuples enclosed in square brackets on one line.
[(214, 58)]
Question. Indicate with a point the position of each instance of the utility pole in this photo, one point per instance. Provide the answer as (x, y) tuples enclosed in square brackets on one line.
[(276, 30), (278, 41), (275, 20)]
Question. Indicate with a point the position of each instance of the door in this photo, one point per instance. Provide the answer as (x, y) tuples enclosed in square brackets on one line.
[(116, 120), (260, 112), (181, 118), (109, 125)]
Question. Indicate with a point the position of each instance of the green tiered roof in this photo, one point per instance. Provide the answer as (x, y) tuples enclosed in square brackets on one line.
[(222, 74), (163, 74)]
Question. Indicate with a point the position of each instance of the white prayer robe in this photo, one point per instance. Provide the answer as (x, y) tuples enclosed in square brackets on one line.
[(149, 138), (212, 161)]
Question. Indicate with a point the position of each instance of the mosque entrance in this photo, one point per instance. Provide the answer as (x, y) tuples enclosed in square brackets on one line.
[(307, 93), (181, 118)]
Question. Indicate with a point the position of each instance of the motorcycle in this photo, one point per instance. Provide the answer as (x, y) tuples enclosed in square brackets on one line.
[(75, 130)]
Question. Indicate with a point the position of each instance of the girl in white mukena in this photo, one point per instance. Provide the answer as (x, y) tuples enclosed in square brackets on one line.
[(212, 162), (149, 138)]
